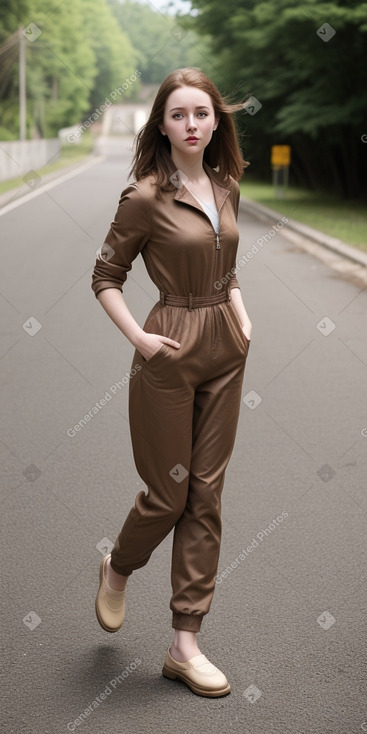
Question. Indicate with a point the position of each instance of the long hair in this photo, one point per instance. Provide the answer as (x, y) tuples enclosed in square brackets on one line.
[(152, 149)]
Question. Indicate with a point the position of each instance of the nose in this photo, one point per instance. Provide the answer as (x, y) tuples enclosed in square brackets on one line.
[(191, 124)]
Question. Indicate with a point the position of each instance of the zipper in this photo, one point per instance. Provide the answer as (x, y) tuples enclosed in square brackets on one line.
[(217, 239), (217, 247)]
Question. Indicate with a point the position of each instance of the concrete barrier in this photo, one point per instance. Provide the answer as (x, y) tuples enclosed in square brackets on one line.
[(18, 157)]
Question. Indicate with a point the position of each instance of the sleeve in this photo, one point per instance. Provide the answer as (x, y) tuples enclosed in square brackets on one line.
[(233, 283), (128, 233)]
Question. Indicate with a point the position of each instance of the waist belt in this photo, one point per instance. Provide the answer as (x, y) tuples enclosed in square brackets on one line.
[(192, 302)]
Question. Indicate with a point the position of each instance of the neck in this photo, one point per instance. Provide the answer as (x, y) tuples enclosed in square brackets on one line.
[(191, 166)]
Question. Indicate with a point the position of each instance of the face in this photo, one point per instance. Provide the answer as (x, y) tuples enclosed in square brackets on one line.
[(188, 112)]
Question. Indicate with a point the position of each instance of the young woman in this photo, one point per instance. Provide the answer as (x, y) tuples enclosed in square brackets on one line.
[(190, 355)]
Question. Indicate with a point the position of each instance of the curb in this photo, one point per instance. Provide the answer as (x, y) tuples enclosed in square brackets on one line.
[(298, 232)]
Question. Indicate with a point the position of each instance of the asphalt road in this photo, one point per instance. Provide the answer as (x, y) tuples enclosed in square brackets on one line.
[(287, 623)]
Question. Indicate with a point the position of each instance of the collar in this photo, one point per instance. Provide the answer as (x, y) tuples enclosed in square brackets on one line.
[(220, 192)]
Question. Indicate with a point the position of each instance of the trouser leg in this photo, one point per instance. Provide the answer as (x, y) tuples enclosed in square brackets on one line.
[(197, 535), (160, 416)]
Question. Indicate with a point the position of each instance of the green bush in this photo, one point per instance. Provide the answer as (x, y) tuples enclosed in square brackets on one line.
[(6, 134)]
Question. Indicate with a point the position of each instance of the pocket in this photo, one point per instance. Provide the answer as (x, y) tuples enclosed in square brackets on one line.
[(155, 356), (238, 326)]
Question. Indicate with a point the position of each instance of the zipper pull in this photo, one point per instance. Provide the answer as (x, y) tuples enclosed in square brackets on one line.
[(218, 243)]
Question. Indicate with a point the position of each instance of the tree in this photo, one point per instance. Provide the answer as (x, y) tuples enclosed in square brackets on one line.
[(114, 55), (78, 58), (310, 78), (61, 65), (161, 42)]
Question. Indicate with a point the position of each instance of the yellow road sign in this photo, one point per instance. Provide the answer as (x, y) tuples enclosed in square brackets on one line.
[(280, 155)]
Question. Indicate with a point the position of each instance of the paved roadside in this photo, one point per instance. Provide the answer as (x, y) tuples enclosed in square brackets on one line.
[(13, 195)]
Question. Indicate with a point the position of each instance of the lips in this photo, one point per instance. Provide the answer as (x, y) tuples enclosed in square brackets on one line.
[(191, 137)]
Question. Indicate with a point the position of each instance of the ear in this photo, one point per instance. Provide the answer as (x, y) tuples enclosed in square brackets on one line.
[(160, 127), (216, 123)]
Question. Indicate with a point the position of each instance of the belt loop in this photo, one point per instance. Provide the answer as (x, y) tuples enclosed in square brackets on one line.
[(190, 302), (229, 297), (162, 297)]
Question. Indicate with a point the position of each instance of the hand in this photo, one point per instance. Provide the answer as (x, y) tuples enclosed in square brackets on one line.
[(247, 330), (149, 344)]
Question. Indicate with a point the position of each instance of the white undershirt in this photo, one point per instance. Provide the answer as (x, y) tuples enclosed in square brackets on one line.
[(211, 212)]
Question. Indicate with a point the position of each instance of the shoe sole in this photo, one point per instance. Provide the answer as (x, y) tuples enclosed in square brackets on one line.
[(172, 675), (102, 624)]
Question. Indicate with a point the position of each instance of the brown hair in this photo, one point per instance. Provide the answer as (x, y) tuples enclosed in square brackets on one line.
[(152, 149)]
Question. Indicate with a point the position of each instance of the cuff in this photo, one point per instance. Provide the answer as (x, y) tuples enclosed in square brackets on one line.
[(233, 283), (104, 287), (189, 622)]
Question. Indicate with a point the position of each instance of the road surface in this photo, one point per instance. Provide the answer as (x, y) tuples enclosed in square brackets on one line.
[(287, 623)]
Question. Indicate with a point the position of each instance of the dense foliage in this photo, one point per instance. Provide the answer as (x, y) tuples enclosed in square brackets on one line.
[(310, 78), (303, 62)]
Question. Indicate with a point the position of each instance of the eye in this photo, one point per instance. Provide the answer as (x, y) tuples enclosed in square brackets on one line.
[(180, 114)]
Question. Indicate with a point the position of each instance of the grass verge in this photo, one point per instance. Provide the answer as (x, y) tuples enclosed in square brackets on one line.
[(346, 220)]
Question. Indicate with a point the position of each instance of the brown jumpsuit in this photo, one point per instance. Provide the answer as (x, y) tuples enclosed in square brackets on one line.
[(183, 403)]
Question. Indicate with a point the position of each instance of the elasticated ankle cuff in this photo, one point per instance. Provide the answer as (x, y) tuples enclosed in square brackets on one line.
[(189, 622)]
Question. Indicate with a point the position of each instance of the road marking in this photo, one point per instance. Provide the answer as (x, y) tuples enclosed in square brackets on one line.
[(46, 187)]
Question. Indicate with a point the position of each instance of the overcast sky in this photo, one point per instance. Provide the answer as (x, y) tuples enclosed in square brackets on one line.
[(168, 6)]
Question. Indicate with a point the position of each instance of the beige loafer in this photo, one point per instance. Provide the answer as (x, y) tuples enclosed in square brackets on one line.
[(110, 604), (199, 674)]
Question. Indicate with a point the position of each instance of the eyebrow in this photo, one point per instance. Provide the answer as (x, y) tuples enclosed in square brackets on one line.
[(199, 107)]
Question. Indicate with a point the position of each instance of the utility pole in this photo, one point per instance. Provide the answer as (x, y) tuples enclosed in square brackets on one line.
[(22, 87)]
